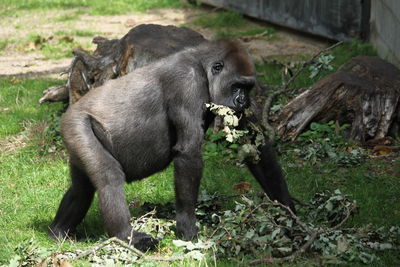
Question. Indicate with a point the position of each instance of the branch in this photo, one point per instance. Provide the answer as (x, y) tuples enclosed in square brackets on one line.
[(128, 247), (108, 242), (285, 87), (314, 233)]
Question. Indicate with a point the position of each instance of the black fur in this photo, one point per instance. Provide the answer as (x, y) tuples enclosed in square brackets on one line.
[(135, 126)]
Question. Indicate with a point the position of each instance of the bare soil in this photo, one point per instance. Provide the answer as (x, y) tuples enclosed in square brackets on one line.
[(17, 60)]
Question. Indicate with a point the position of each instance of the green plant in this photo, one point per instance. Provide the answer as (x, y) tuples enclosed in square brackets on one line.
[(325, 140), (322, 63), (245, 141), (325, 132)]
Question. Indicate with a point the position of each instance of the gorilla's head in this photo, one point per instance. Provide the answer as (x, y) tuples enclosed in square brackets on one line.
[(231, 75)]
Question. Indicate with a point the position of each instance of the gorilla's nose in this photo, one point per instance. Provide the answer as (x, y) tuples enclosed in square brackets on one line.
[(241, 100)]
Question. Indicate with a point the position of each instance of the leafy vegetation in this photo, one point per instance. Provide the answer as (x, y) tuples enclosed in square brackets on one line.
[(242, 142), (253, 224), (326, 141)]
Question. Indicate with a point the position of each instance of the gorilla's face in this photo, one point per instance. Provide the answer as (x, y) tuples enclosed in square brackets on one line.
[(231, 78)]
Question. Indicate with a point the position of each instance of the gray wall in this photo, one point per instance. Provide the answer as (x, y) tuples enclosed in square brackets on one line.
[(385, 29)]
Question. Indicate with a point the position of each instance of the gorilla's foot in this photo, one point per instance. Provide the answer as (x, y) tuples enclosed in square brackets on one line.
[(186, 229), (143, 241)]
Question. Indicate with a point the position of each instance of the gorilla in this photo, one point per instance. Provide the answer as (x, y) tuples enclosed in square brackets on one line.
[(136, 125)]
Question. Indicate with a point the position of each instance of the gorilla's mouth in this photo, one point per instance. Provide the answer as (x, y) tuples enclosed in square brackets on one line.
[(240, 92), (241, 102)]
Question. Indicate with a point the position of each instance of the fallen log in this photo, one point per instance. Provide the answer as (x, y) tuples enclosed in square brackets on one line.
[(364, 93), (142, 45)]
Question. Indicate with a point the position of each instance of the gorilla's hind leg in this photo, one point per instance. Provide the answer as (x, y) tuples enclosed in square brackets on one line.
[(74, 205)]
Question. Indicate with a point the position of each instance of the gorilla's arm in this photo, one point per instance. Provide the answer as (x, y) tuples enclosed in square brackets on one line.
[(188, 167), (267, 170), (186, 113), (269, 174)]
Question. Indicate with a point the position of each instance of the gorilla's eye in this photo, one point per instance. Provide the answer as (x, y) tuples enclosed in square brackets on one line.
[(217, 67)]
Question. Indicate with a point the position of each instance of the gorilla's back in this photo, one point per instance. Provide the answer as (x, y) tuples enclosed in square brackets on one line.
[(144, 133)]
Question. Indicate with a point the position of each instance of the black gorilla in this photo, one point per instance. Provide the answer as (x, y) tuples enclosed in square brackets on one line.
[(134, 126)]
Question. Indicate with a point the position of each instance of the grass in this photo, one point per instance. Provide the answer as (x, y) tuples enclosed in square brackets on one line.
[(101, 7), (230, 24), (71, 12), (58, 46), (221, 19), (78, 33), (67, 17)]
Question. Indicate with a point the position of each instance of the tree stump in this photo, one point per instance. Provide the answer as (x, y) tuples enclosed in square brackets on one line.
[(142, 45), (363, 93)]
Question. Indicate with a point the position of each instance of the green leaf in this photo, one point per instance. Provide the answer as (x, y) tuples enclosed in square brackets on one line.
[(329, 206)]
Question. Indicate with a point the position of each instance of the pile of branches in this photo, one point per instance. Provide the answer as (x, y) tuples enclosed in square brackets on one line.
[(256, 230)]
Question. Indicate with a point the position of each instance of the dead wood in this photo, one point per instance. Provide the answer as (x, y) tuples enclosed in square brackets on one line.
[(142, 45), (364, 93)]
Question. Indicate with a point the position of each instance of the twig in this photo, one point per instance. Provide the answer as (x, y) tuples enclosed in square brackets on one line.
[(349, 211), (248, 38), (284, 88), (294, 216), (128, 247), (312, 232), (108, 242)]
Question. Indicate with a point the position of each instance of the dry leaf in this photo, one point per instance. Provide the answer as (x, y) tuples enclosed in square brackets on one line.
[(242, 187)]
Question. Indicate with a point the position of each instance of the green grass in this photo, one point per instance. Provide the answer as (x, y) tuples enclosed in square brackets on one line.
[(67, 17), (221, 19), (231, 25), (58, 46), (79, 33), (101, 7)]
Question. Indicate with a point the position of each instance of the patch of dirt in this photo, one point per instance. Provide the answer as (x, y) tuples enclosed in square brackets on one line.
[(15, 61)]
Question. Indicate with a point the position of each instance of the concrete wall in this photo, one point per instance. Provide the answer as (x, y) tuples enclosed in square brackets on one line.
[(385, 29)]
